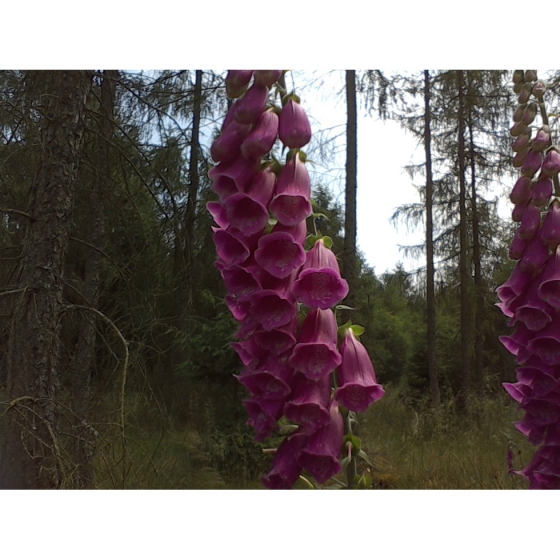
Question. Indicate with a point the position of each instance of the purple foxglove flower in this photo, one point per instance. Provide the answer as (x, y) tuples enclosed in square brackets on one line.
[(525, 93), (533, 311), (535, 256), (223, 186), (532, 163), (262, 186), (319, 283), (292, 204), (537, 379), (518, 77), (241, 170), (277, 341), (309, 403), (543, 412), (231, 247), (316, 354), (550, 231), (321, 455), (226, 147), (530, 76), (517, 129), (539, 90), (518, 340), (240, 282), (521, 191), (245, 214), (252, 105), (519, 113), (530, 222), (517, 391), (279, 254), (549, 289), (271, 381), (542, 191), (237, 81), (285, 469), (546, 344), (267, 77), (518, 247), (357, 383), (261, 139), (530, 113), (273, 309), (551, 164), (522, 141), (542, 139), (264, 414), (520, 157), (515, 285), (239, 309), (219, 213), (528, 428), (295, 130), (518, 211), (298, 232)]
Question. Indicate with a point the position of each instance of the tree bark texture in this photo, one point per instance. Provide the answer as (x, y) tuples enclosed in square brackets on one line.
[(463, 249), (349, 260), (430, 290), (30, 452)]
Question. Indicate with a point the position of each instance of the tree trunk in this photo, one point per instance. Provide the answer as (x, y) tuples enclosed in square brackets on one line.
[(30, 452), (479, 308), (463, 250), (94, 232), (430, 290), (349, 260)]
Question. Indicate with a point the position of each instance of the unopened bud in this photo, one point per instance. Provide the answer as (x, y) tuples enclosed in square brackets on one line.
[(518, 76), (530, 113), (551, 164), (519, 158), (530, 76), (525, 93), (518, 87), (518, 115), (539, 89), (532, 163), (522, 141), (517, 129), (542, 139)]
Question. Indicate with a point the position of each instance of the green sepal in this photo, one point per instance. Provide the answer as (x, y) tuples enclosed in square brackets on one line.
[(345, 307), (355, 441), (358, 329)]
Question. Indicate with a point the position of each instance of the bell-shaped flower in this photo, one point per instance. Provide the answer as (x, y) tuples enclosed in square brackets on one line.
[(277, 341), (546, 344), (240, 282), (515, 285), (241, 170), (264, 415), (237, 81), (321, 455), (267, 77), (551, 164), (239, 309), (530, 222), (535, 256), (529, 429), (295, 129), (533, 311), (549, 289), (279, 254), (532, 163), (517, 391), (357, 383), (261, 139), (230, 246), (298, 232), (538, 379), (270, 380), (291, 203), (262, 186), (521, 191), (245, 214), (543, 411), (542, 191), (227, 146), (518, 340), (273, 309), (550, 231), (319, 283), (316, 354), (309, 403), (219, 213), (285, 469), (252, 105)]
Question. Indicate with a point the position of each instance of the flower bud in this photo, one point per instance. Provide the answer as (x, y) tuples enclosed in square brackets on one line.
[(530, 76), (532, 163), (521, 191), (294, 130), (237, 81), (525, 93), (518, 76), (542, 191), (267, 77), (261, 139), (252, 105), (542, 139), (550, 231), (518, 87), (522, 141), (530, 222), (519, 112), (530, 113), (517, 129), (519, 158), (539, 90), (551, 164)]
